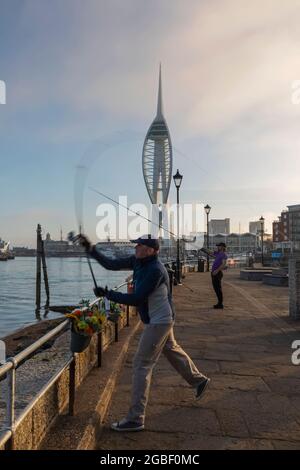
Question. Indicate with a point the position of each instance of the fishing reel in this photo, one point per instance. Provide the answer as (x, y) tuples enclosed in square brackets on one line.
[(78, 239), (71, 237)]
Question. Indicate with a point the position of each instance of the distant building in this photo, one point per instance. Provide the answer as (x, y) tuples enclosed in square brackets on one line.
[(116, 249), (61, 248), (119, 249), (281, 231), (219, 226), (24, 251), (54, 245), (283, 227), (236, 243), (293, 224), (255, 227)]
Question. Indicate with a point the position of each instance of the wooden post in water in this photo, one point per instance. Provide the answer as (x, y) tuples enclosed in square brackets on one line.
[(45, 274), (38, 269)]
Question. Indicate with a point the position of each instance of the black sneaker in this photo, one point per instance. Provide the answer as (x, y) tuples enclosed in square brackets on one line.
[(128, 426), (219, 306), (201, 388)]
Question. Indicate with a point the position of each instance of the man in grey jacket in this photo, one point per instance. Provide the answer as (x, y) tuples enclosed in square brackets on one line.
[(154, 302)]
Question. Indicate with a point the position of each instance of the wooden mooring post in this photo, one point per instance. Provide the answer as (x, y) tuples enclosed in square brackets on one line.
[(38, 268), (41, 262), (45, 274)]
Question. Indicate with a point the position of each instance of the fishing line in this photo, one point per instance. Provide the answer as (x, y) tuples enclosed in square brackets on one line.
[(82, 170), (89, 158), (130, 210)]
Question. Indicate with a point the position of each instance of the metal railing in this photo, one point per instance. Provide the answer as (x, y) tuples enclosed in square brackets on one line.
[(10, 368), (12, 364)]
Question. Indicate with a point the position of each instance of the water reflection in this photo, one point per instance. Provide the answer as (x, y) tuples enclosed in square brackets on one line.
[(69, 282)]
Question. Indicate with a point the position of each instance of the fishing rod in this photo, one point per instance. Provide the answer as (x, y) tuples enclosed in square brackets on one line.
[(72, 238), (91, 269), (72, 235)]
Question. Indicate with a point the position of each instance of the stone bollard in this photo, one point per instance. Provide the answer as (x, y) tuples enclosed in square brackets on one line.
[(294, 287)]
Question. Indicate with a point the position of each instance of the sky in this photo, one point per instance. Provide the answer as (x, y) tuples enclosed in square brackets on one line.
[(81, 85)]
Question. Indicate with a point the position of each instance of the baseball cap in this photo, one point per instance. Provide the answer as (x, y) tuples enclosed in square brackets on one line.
[(148, 241)]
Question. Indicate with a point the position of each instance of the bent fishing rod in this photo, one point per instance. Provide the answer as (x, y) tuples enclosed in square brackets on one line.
[(72, 238)]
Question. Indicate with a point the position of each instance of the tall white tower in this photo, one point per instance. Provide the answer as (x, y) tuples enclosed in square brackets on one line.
[(157, 157)]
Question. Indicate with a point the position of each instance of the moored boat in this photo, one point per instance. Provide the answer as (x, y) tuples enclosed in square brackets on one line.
[(6, 253)]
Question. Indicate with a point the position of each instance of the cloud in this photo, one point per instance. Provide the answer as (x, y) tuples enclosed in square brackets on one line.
[(81, 69), (222, 60)]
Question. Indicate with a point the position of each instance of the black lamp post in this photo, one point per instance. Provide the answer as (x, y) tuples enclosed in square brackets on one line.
[(207, 209), (177, 180), (262, 230)]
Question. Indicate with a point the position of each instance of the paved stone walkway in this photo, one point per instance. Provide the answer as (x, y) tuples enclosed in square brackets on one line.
[(254, 398)]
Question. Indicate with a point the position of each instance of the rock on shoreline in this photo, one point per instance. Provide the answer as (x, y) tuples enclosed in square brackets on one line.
[(24, 337)]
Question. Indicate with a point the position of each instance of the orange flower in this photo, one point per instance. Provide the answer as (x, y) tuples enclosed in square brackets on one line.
[(89, 330)]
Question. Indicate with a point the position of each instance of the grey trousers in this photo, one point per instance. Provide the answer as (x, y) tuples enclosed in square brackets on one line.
[(157, 339)]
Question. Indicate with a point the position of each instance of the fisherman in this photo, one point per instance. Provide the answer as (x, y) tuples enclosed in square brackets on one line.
[(153, 299), (218, 267)]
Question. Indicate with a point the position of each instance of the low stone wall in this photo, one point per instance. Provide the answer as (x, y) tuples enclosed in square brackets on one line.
[(280, 271), (32, 429), (275, 280), (254, 274)]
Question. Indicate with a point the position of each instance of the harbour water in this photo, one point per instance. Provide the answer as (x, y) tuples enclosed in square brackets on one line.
[(69, 281)]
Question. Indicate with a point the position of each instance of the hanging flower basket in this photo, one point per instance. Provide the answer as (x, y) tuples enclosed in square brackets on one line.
[(85, 322), (79, 342), (88, 320)]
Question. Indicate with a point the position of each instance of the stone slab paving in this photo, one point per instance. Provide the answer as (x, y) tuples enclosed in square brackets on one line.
[(254, 398)]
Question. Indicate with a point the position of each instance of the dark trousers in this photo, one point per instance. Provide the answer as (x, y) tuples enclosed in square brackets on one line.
[(216, 282)]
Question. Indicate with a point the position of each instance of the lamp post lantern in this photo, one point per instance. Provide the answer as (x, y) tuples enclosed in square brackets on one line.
[(177, 180), (262, 230), (207, 209)]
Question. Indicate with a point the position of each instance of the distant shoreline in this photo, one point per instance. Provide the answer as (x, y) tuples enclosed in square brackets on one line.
[(58, 255)]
